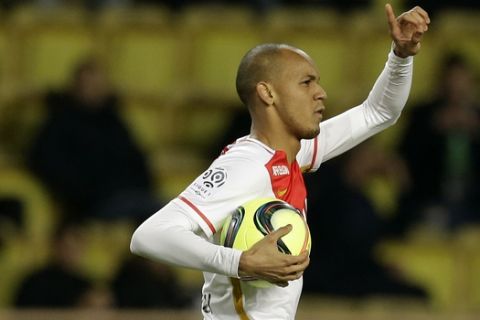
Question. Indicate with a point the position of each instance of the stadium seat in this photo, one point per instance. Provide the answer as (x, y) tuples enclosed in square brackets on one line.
[(9, 83), (145, 53), (151, 121), (459, 30), (219, 39), (3, 62), (318, 33), (28, 247), (50, 43), (467, 242), (427, 261)]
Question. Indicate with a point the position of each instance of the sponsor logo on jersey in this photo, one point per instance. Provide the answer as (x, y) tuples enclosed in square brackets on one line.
[(281, 192), (209, 182), (281, 170)]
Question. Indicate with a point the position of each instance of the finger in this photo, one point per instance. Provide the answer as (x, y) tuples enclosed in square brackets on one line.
[(417, 37), (293, 276), (423, 13), (421, 22), (392, 21), (414, 19), (297, 260), (304, 255), (303, 265), (277, 234), (295, 272), (282, 284), (299, 266)]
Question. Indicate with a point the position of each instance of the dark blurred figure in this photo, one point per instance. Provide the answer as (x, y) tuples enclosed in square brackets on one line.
[(340, 5), (260, 6), (238, 125), (346, 227), (442, 149), (11, 211), (7, 4), (60, 283), (174, 5), (263, 6), (143, 284), (433, 7), (86, 156), (11, 216)]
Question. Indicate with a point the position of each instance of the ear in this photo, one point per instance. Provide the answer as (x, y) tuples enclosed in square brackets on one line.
[(264, 92)]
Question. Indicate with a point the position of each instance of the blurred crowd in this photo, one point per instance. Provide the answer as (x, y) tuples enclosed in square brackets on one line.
[(431, 6), (87, 159)]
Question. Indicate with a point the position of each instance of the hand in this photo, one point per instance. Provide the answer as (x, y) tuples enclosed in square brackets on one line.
[(264, 261), (407, 30)]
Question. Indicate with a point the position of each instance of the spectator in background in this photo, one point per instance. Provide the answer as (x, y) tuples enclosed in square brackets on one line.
[(143, 284), (341, 5), (435, 6), (348, 227), (442, 149), (60, 284), (86, 156), (11, 216), (263, 6), (238, 125)]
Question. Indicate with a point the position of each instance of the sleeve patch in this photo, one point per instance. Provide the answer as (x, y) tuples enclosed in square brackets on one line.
[(209, 182)]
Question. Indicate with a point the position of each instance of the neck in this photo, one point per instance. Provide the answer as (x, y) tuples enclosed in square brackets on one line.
[(278, 140)]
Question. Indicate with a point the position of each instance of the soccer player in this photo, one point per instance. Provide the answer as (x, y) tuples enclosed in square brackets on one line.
[(279, 84)]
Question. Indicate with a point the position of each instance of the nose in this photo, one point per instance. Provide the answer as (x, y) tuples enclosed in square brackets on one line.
[(320, 94)]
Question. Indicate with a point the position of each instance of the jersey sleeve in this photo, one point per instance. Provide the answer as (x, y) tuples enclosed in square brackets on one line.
[(181, 232), (171, 236), (380, 110), (225, 185)]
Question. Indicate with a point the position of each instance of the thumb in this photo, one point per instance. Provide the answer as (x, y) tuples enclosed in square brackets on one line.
[(277, 234)]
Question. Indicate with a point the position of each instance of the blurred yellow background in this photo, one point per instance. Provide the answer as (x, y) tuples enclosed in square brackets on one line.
[(176, 71)]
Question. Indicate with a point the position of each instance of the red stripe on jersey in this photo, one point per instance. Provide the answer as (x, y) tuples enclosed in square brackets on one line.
[(315, 146), (191, 205)]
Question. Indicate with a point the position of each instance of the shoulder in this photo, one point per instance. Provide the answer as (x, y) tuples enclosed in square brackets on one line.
[(245, 158), (246, 151), (240, 169)]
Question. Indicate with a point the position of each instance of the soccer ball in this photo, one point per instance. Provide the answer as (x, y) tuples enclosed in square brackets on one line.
[(253, 220)]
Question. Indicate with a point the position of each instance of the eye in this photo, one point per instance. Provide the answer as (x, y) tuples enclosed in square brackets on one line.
[(307, 82)]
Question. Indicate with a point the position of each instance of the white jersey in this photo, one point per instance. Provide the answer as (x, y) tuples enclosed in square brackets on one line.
[(249, 169)]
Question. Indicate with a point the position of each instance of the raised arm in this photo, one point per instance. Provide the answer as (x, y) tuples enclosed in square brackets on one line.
[(386, 100)]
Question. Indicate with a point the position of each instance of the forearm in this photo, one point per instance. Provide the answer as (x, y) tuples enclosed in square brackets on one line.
[(170, 236), (380, 110), (390, 92)]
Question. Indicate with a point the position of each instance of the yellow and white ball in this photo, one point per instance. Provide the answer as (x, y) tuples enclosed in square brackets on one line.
[(250, 222)]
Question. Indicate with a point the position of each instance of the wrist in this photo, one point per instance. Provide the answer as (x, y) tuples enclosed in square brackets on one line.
[(399, 54), (242, 265)]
